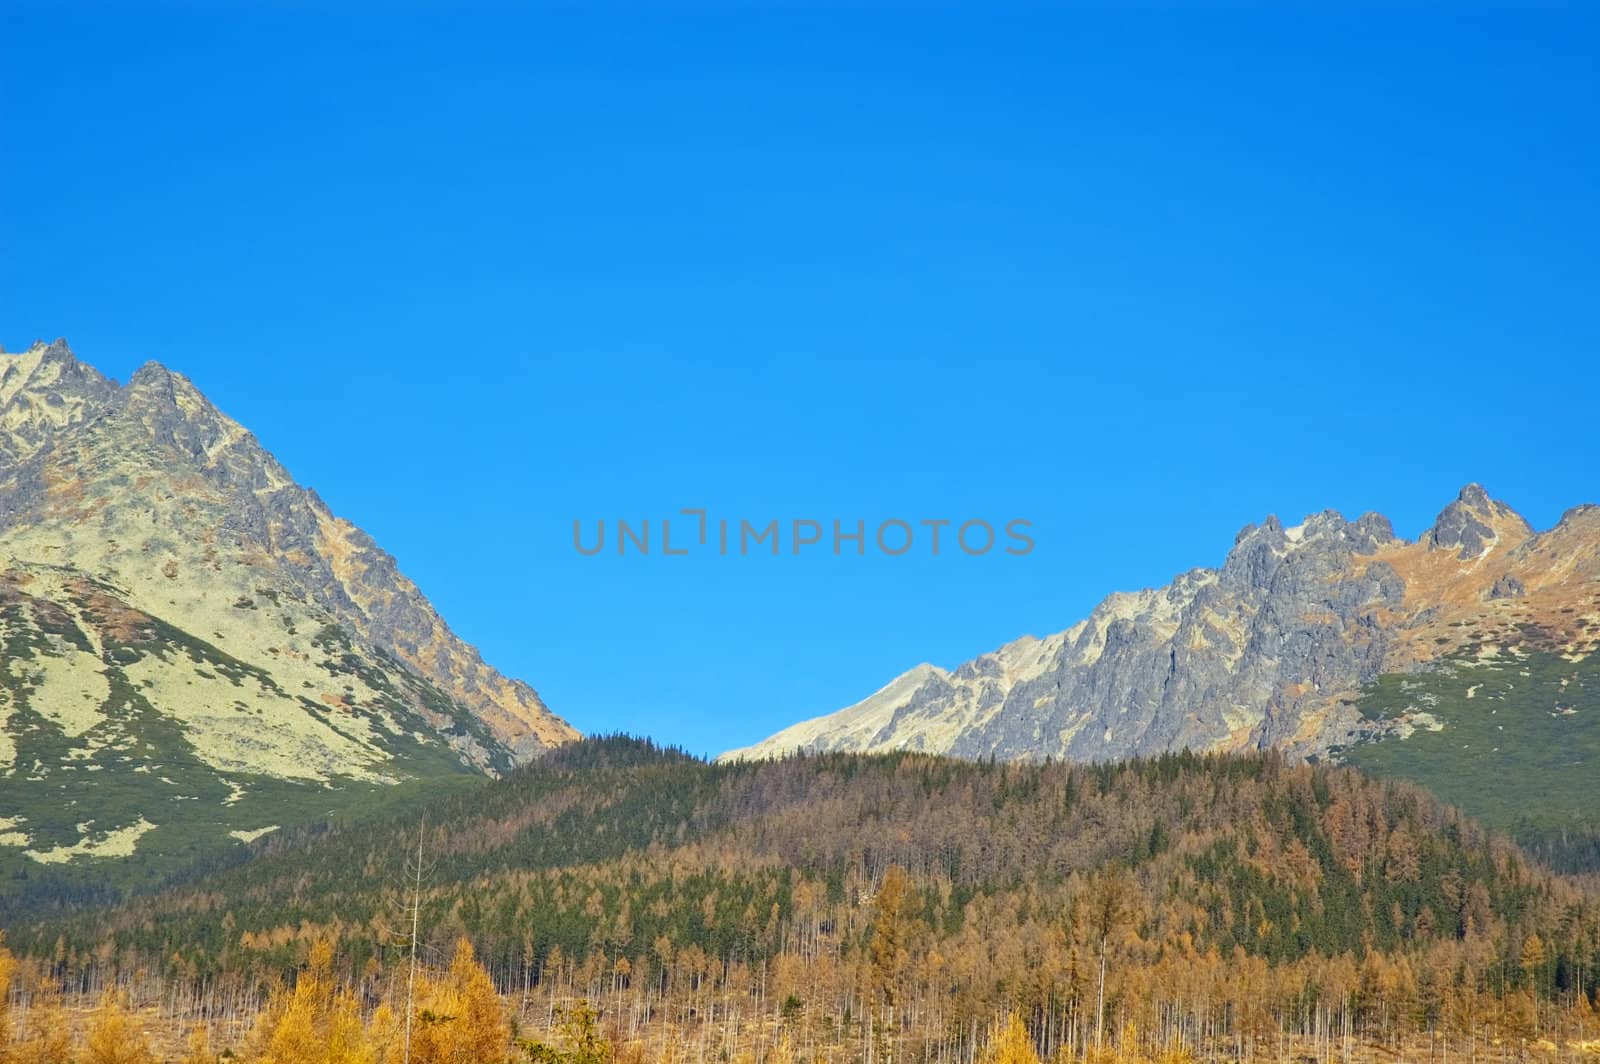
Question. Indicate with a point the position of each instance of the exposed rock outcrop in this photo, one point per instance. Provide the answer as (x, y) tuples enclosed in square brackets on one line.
[(1269, 650)]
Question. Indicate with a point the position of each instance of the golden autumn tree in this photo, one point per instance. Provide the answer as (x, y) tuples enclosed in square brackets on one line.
[(115, 1037), (385, 1030), (892, 930), (8, 968), (1175, 1052), (485, 1033), (288, 1030), (1010, 1043), (1532, 959), (197, 1050), (460, 1018), (317, 1022), (890, 951), (1581, 1016), (1111, 903), (347, 1041), (49, 1038), (1518, 1016)]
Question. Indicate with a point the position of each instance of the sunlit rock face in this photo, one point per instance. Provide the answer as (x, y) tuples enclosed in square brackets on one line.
[(174, 606), (1271, 649)]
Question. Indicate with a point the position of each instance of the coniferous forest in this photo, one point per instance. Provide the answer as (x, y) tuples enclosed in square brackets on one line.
[(619, 901)]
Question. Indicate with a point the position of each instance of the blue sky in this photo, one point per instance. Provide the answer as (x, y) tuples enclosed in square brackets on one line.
[(1139, 275)]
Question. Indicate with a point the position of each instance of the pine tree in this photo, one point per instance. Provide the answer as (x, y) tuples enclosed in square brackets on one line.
[(578, 1028)]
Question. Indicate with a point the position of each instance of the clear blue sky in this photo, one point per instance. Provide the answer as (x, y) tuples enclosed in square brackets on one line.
[(1139, 278)]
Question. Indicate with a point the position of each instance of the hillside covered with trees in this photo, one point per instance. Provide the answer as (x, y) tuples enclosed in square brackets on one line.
[(900, 906)]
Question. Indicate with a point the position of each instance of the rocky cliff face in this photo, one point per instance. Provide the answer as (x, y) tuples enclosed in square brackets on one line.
[(1270, 650), (163, 577)]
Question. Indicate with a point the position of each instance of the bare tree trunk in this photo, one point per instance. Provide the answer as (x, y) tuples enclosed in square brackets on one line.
[(416, 914), (1100, 999)]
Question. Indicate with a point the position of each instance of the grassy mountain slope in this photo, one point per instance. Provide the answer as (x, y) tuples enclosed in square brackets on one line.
[(1511, 737), (137, 748)]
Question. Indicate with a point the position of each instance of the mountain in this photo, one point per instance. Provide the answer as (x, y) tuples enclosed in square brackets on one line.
[(838, 898), (196, 650), (1290, 644)]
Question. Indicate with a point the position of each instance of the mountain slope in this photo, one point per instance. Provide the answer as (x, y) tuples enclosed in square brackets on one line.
[(1509, 731), (192, 632), (1272, 649)]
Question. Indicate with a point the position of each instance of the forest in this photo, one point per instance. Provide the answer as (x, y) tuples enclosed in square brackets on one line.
[(619, 901)]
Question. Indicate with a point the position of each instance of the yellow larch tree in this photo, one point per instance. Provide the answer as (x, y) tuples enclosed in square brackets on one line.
[(8, 968), (460, 1018), (315, 1023), (197, 1049), (49, 1039), (1011, 1043), (115, 1037)]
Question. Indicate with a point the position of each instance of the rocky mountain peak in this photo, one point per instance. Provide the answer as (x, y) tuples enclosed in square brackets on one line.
[(1260, 551), (176, 414), (1474, 524), (155, 384), (56, 348), (153, 488), (40, 368), (1274, 648), (1585, 512), (152, 375), (43, 389), (48, 362)]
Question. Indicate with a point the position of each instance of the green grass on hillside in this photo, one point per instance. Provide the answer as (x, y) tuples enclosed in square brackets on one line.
[(137, 761), (1517, 744)]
